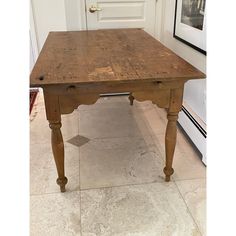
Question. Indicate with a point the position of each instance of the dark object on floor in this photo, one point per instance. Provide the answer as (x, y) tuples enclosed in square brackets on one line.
[(33, 95)]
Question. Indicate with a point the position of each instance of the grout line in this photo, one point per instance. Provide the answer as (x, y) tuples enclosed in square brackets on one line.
[(190, 179), (80, 200), (103, 187), (134, 184), (121, 137), (125, 185), (101, 138), (117, 186), (187, 208), (179, 180), (58, 192)]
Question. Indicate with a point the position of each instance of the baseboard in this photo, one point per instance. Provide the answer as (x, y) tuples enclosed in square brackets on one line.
[(195, 128)]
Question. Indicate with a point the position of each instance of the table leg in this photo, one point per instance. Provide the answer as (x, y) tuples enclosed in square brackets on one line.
[(170, 142), (54, 118), (131, 99), (58, 153), (176, 98)]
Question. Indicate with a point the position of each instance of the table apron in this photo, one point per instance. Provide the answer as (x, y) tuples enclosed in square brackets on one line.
[(69, 97), (64, 89)]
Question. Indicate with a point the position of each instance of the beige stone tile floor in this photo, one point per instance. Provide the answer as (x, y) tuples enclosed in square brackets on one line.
[(114, 157)]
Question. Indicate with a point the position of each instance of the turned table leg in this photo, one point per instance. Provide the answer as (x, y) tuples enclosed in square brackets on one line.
[(58, 153), (176, 97), (54, 117), (131, 99), (170, 142)]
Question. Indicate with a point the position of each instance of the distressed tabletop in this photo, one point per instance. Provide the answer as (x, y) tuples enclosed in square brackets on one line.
[(99, 56)]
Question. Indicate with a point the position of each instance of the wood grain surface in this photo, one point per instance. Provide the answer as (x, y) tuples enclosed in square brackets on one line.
[(117, 55)]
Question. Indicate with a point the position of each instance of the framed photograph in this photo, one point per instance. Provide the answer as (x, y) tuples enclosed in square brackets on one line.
[(190, 23)]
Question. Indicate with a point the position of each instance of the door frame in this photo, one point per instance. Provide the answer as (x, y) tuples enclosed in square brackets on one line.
[(81, 18)]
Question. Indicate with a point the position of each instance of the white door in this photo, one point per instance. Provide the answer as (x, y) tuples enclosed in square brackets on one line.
[(105, 14)]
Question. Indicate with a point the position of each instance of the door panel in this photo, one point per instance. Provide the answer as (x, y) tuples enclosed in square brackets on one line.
[(121, 11), (122, 14)]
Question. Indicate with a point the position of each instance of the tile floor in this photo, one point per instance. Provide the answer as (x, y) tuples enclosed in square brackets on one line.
[(114, 160)]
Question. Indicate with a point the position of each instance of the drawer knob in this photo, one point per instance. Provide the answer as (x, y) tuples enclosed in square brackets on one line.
[(70, 88)]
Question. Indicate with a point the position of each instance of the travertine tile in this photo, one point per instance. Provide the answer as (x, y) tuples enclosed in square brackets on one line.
[(108, 102), (194, 194), (43, 181), (39, 127), (144, 105), (40, 131), (55, 214), (187, 162), (188, 166), (147, 210), (78, 140), (119, 161), (184, 144), (111, 122), (135, 156), (43, 172), (154, 117)]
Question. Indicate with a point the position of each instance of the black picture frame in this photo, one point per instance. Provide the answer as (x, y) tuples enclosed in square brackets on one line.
[(181, 39)]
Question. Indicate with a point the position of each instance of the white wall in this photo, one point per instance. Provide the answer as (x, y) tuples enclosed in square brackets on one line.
[(56, 15), (32, 57), (195, 90), (158, 19), (48, 16), (194, 94), (33, 41)]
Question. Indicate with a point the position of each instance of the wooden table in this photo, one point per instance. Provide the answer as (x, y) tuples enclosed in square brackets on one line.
[(74, 68)]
